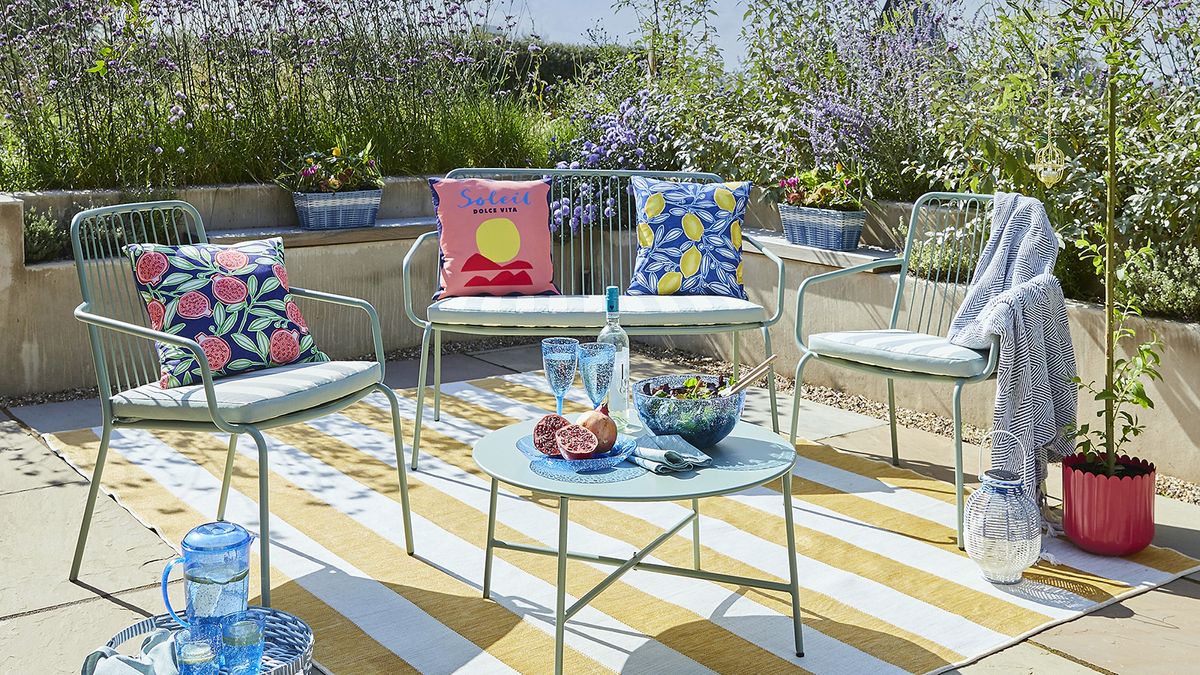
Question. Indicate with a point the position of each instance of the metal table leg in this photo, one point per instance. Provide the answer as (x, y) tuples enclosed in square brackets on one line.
[(490, 550), (794, 577), (696, 534), (560, 607)]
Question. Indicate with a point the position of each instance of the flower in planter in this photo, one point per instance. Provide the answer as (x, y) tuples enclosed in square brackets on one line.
[(836, 190), (334, 171)]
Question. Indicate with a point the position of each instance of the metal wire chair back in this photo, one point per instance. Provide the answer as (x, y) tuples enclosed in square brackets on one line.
[(106, 280), (593, 221), (946, 235)]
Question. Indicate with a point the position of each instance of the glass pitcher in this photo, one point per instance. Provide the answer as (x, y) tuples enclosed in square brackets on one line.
[(216, 574)]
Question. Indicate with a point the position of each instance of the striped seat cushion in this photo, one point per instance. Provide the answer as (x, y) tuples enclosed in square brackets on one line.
[(581, 311), (901, 350)]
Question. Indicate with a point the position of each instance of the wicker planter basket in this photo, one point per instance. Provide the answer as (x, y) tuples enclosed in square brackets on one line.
[(822, 228), (337, 210)]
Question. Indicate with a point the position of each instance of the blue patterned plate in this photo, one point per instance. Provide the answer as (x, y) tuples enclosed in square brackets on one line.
[(622, 449)]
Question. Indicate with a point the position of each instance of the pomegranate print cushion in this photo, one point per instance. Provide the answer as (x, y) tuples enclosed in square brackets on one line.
[(233, 300), (494, 236)]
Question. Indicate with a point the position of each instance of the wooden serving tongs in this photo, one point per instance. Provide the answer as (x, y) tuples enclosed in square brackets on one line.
[(750, 378)]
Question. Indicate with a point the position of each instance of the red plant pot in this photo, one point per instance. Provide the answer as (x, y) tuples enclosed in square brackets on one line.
[(1108, 515)]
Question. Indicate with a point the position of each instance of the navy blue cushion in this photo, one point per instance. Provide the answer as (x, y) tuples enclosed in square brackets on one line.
[(233, 300)]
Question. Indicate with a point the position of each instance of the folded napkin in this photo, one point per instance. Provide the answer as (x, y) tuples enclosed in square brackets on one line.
[(157, 657), (667, 454)]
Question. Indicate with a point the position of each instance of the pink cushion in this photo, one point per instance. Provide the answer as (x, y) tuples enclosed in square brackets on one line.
[(494, 236)]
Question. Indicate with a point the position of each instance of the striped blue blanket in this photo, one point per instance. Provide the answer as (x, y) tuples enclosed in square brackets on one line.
[(1014, 295)]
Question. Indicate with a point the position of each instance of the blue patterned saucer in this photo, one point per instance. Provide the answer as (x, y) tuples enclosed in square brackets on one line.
[(624, 447)]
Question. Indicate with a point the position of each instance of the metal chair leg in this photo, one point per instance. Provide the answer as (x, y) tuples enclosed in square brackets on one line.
[(437, 375), (398, 435), (228, 477), (421, 372), (264, 517), (737, 353), (796, 394), (771, 379), (892, 421), (90, 508), (958, 461)]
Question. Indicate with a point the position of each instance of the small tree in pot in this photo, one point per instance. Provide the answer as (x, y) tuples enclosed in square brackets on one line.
[(1108, 497)]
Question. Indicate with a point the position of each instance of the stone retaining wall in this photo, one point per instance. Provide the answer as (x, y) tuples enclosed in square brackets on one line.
[(45, 349)]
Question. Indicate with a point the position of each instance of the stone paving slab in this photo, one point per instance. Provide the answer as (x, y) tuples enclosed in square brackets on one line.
[(1025, 659), (1156, 632), (455, 368), (26, 463), (49, 418), (57, 640), (38, 529)]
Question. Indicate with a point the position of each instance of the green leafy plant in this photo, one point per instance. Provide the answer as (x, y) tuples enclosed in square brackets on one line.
[(335, 171), (1119, 28), (45, 238), (837, 190)]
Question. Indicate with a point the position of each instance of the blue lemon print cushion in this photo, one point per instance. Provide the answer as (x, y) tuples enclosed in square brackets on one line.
[(689, 238)]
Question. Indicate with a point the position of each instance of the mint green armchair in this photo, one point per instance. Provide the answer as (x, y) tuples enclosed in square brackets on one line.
[(127, 367), (946, 233)]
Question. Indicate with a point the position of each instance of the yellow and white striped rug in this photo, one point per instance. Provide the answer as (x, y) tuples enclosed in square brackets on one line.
[(884, 588)]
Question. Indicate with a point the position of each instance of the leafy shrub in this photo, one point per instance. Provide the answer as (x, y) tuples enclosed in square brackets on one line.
[(45, 238), (1167, 283)]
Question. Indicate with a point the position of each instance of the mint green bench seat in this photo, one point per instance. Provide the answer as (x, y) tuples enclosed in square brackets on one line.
[(587, 311), (586, 262), (900, 350), (251, 397)]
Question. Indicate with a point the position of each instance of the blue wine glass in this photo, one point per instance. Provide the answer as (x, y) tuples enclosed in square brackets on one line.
[(559, 357), (596, 366)]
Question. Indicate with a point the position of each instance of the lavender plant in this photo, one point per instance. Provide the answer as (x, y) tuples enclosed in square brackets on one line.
[(851, 84), (170, 92)]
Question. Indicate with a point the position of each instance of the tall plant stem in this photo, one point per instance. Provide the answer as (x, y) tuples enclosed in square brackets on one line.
[(1110, 278)]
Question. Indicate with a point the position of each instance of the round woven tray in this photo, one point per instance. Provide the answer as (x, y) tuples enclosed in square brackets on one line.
[(288, 640)]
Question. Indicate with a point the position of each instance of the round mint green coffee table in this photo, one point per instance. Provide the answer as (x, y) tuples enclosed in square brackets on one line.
[(748, 457)]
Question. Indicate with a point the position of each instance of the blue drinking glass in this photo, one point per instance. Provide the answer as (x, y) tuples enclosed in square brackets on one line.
[(242, 642), (596, 361), (559, 357), (194, 654)]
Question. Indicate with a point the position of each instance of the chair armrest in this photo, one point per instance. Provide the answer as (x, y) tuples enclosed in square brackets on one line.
[(406, 272), (865, 267), (779, 284), (347, 301), (108, 323)]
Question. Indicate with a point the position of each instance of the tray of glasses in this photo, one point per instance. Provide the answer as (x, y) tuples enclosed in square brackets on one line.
[(287, 640)]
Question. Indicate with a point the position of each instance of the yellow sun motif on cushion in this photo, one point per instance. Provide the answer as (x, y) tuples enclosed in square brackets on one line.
[(498, 240)]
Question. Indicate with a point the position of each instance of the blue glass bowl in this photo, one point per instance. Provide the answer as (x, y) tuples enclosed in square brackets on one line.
[(621, 449), (701, 422)]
